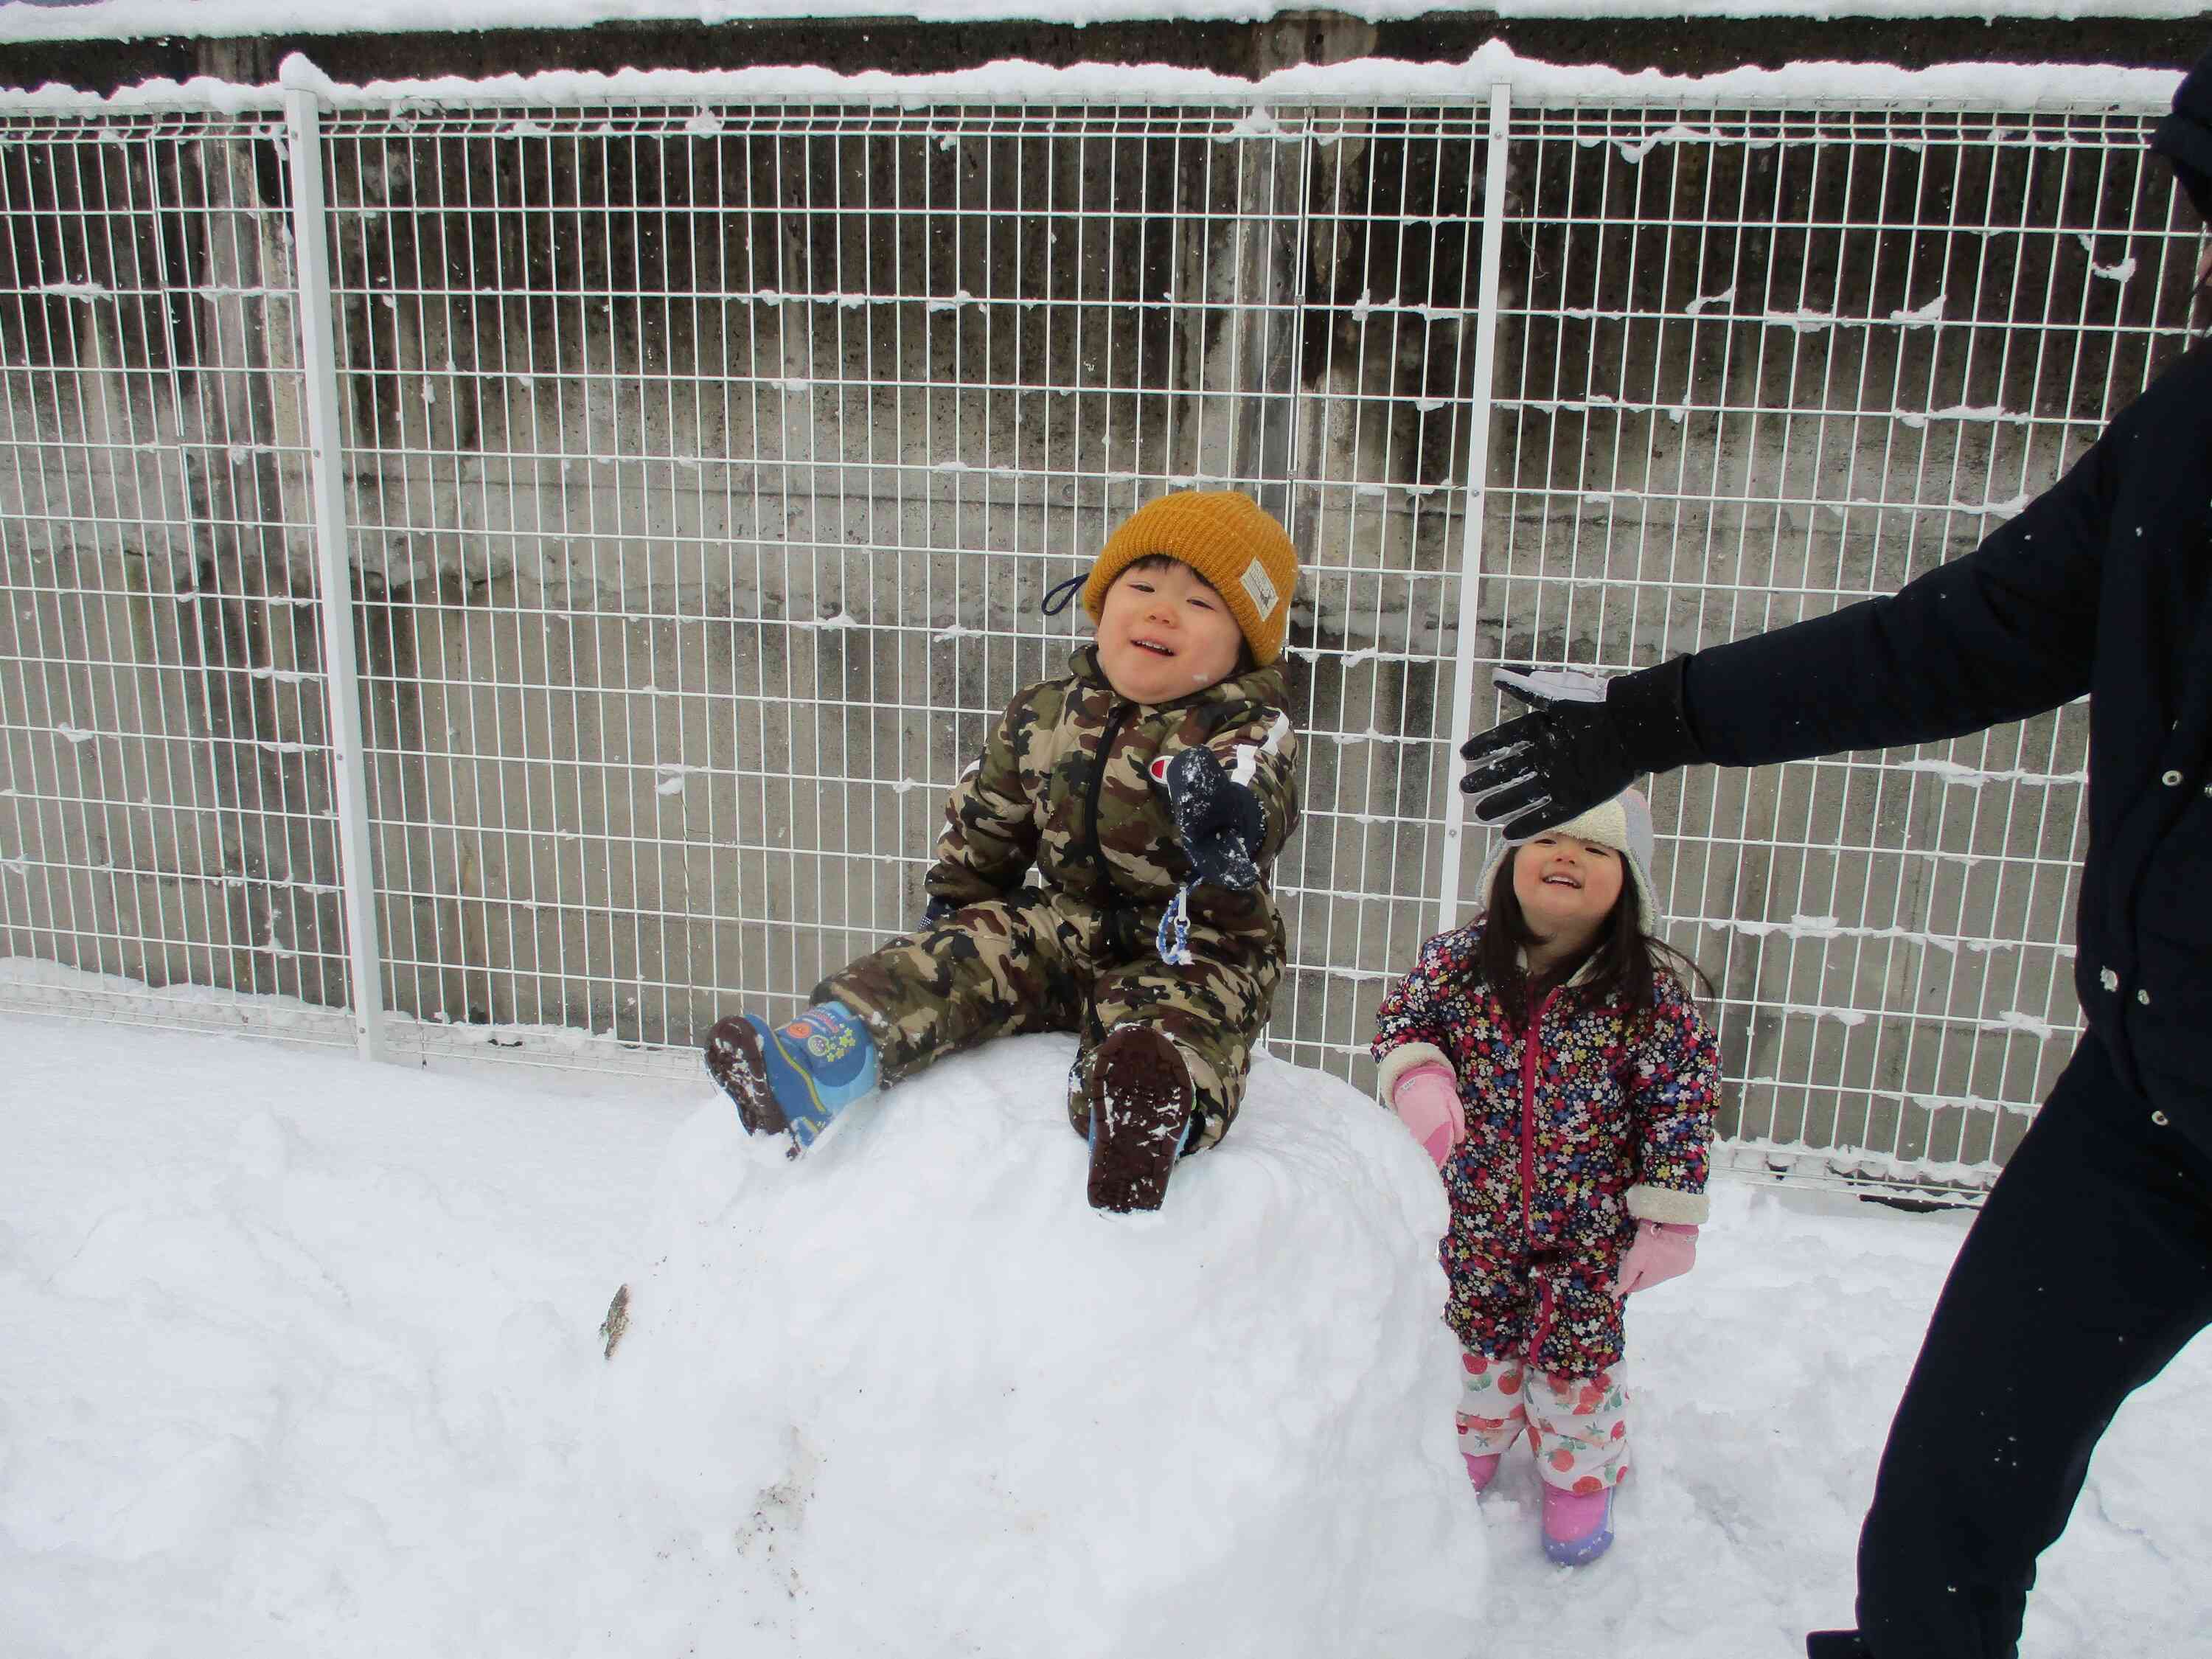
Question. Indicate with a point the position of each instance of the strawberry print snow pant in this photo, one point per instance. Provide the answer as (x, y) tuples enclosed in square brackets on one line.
[(1577, 1425)]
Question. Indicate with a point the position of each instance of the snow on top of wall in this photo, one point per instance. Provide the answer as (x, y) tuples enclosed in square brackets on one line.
[(121, 20), (1996, 86)]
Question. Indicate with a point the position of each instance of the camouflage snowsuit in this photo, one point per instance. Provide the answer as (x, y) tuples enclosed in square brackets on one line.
[(1060, 868)]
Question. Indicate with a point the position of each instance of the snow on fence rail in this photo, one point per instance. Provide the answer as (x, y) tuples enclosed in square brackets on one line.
[(696, 467)]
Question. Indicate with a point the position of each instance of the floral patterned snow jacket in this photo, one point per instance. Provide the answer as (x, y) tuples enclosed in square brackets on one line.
[(1579, 1123)]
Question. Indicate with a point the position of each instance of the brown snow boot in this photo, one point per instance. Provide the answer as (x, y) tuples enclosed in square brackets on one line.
[(1140, 1101), (733, 1060)]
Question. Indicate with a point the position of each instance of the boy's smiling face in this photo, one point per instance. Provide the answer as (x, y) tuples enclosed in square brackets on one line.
[(1164, 633)]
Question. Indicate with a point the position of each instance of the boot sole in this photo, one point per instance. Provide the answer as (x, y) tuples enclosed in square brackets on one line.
[(1136, 1139), (735, 1062)]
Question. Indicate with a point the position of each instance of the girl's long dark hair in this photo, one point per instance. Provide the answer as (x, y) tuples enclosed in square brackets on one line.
[(1627, 958)]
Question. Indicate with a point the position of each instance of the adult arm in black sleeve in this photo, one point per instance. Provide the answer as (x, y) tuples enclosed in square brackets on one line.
[(2184, 138), (2006, 631)]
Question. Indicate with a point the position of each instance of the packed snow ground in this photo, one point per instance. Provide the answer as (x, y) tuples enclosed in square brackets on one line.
[(302, 1357), (962, 1413)]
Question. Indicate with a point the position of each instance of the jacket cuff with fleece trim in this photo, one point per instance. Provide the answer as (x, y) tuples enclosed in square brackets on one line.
[(1404, 1058), (1649, 1203)]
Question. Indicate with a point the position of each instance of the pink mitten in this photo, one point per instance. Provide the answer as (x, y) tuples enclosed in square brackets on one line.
[(1426, 1100), (1662, 1250)]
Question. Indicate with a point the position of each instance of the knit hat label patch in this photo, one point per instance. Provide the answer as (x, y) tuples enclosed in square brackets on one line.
[(1259, 587)]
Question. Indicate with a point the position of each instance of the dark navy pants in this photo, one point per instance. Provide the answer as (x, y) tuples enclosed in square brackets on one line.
[(2088, 1268)]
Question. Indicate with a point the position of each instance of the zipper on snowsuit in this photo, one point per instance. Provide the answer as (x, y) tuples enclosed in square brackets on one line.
[(1115, 903), (1541, 1326)]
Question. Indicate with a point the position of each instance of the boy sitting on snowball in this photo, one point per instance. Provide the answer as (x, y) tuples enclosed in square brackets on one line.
[(1104, 870)]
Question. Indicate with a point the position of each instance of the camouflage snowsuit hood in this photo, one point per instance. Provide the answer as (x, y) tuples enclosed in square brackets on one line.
[(1059, 859)]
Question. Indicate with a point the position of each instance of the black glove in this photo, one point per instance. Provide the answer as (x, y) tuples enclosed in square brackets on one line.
[(937, 910), (1582, 742), (1219, 820)]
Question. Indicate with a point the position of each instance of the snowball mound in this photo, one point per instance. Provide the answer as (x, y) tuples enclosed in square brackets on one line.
[(910, 1395)]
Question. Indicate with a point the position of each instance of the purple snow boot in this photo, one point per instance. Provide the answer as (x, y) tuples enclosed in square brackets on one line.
[(1482, 1469), (1577, 1525)]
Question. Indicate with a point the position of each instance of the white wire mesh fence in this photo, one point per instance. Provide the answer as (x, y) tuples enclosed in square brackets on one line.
[(1762, 364), (699, 470), (164, 807)]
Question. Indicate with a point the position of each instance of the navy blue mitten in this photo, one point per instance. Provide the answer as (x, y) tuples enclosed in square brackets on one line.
[(1219, 821)]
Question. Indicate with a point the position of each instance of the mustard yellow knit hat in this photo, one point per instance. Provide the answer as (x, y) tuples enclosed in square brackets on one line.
[(1227, 538)]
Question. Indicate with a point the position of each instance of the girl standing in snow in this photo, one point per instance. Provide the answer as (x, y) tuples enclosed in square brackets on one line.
[(1555, 1068)]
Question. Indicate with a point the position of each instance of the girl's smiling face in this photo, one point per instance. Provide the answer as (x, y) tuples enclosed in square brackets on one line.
[(1567, 886), (1164, 633)]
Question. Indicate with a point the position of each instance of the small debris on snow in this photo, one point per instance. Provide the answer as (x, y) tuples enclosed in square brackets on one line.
[(616, 1321)]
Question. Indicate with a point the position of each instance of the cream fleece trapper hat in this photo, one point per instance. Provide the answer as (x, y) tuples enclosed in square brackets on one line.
[(1624, 824)]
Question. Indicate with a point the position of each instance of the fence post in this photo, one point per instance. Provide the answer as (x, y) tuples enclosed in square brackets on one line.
[(311, 266), (1478, 482)]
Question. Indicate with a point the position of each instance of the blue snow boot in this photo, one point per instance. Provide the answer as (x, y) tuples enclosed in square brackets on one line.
[(796, 1076)]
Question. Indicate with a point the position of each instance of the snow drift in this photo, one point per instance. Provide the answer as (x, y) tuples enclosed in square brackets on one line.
[(911, 1394), (300, 1361)]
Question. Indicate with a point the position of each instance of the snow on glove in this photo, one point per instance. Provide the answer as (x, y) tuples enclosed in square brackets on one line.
[(1219, 820), (1662, 1250), (1583, 741), (1427, 1101)]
